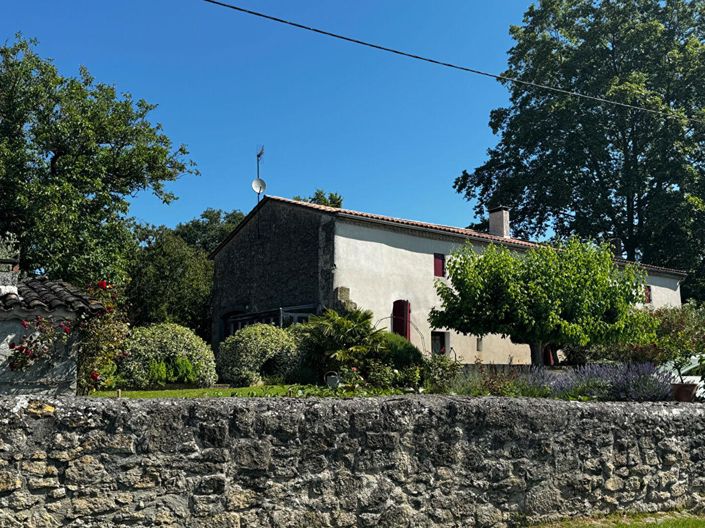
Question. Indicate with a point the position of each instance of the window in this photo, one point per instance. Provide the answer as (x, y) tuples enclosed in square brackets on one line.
[(439, 264), (438, 343), (647, 295), (401, 318)]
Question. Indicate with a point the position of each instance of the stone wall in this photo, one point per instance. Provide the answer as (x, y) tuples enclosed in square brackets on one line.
[(398, 461)]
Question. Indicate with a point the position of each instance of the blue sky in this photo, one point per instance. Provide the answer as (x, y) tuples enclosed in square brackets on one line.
[(390, 134)]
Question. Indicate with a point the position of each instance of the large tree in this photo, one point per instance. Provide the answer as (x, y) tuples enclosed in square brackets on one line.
[(72, 152), (569, 165), (171, 277), (171, 282), (210, 229), (547, 298)]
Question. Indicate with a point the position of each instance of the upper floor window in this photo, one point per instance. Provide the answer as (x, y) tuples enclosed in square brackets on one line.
[(439, 265)]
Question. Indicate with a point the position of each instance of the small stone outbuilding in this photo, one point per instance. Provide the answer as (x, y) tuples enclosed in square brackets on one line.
[(24, 300)]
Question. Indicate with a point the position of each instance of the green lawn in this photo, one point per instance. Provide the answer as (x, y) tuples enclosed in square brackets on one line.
[(667, 520), (265, 391)]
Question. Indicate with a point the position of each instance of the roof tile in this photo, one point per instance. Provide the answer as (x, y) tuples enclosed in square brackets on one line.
[(42, 294), (468, 233)]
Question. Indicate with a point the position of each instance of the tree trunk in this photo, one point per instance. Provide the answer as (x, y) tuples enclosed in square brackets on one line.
[(536, 354)]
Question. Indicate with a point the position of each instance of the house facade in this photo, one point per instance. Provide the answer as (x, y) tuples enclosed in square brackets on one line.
[(288, 260)]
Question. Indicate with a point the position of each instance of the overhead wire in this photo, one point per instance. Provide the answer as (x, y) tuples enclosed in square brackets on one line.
[(594, 98)]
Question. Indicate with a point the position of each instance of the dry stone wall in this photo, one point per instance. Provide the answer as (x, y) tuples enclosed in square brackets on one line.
[(398, 461)]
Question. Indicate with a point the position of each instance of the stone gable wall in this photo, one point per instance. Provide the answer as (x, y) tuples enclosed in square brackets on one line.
[(279, 258), (397, 461)]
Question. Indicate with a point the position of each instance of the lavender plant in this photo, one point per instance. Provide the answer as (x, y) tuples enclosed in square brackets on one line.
[(616, 382)]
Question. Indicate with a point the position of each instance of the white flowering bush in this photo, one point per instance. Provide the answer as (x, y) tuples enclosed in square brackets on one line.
[(164, 353), (254, 351)]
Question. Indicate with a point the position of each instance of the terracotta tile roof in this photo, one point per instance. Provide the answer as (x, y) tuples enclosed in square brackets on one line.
[(39, 294), (414, 224), (468, 233)]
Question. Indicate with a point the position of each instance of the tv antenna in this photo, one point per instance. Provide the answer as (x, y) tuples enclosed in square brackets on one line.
[(258, 184)]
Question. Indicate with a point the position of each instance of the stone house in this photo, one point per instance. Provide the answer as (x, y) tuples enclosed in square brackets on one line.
[(24, 300), (287, 260)]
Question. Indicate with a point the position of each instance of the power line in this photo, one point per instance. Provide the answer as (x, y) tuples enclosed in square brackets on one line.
[(667, 115)]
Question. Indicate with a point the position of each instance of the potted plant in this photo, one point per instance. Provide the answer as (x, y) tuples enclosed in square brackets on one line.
[(681, 340), (683, 391)]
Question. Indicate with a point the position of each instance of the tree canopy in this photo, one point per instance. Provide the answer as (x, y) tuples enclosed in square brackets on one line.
[(210, 229), (320, 197), (171, 282), (171, 278), (571, 294), (72, 152), (568, 165)]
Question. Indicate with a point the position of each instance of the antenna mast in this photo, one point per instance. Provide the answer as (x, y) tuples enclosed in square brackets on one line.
[(258, 184)]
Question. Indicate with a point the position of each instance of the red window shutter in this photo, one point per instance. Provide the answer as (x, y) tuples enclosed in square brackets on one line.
[(439, 264), (401, 318)]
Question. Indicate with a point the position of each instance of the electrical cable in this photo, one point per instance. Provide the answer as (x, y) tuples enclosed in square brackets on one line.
[(667, 115)]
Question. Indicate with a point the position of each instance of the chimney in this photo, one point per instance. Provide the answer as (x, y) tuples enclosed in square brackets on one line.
[(9, 273), (499, 221)]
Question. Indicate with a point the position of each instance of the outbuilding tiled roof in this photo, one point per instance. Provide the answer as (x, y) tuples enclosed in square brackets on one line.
[(39, 294)]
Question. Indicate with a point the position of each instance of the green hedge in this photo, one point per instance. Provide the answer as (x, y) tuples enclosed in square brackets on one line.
[(166, 353), (255, 351)]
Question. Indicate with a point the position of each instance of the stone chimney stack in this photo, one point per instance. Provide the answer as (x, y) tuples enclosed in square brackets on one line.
[(499, 221), (9, 273)]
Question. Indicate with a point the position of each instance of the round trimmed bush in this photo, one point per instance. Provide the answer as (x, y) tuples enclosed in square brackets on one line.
[(257, 350), (167, 353), (400, 352)]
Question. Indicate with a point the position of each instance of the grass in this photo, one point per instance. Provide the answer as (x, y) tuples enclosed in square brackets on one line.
[(655, 520), (263, 391)]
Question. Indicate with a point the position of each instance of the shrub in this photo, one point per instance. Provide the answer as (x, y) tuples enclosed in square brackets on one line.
[(620, 382), (381, 375), (254, 351), (155, 351), (182, 370), (156, 374), (399, 352), (333, 340), (669, 335), (438, 373), (409, 377), (102, 341)]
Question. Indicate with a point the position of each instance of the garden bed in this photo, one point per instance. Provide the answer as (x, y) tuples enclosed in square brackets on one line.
[(263, 391)]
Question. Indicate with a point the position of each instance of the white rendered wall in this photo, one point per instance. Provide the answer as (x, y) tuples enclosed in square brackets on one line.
[(381, 265)]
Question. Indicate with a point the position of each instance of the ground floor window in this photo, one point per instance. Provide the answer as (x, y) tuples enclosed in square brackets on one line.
[(280, 317), (439, 342)]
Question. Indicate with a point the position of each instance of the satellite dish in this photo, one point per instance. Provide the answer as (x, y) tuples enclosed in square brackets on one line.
[(258, 185)]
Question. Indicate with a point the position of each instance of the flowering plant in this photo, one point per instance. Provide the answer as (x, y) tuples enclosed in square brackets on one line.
[(101, 345), (351, 377), (40, 339)]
